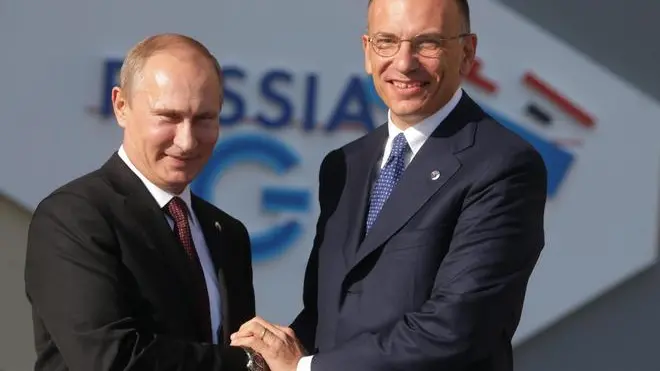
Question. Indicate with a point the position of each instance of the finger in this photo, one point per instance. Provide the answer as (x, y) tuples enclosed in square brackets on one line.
[(243, 330), (270, 328), (250, 328), (256, 327), (253, 343), (239, 339), (247, 324), (240, 334), (288, 331), (269, 335)]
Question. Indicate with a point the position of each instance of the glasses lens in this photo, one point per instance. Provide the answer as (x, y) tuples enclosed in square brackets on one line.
[(385, 46)]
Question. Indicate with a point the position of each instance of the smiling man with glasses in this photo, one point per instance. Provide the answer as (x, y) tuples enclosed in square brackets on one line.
[(430, 225)]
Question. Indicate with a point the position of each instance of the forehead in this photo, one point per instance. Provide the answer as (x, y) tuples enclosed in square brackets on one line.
[(410, 17), (177, 79)]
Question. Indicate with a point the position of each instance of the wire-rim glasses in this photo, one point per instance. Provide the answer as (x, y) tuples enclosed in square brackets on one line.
[(429, 45)]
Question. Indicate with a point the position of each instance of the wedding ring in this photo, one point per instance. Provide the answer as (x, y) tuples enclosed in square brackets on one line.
[(263, 333)]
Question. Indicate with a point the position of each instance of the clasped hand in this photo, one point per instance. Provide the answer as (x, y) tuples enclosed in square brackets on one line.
[(278, 345)]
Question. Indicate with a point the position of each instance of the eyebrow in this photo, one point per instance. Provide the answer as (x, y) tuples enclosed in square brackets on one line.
[(424, 34), (166, 111), (172, 112)]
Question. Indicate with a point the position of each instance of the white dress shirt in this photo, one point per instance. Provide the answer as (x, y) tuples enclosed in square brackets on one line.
[(416, 136), (162, 198)]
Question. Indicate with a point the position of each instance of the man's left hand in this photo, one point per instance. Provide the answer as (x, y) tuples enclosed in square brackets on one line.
[(278, 345)]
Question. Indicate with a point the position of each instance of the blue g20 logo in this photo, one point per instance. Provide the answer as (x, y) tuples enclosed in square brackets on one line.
[(278, 157)]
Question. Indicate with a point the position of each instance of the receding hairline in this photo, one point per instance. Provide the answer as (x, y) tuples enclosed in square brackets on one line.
[(138, 55), (463, 8)]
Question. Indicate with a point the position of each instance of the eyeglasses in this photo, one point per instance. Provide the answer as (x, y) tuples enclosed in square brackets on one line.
[(430, 46)]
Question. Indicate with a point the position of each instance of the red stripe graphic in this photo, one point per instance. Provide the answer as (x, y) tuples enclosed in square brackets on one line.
[(475, 77), (564, 104)]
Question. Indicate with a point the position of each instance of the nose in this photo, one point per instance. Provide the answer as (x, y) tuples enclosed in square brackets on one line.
[(406, 59), (185, 136)]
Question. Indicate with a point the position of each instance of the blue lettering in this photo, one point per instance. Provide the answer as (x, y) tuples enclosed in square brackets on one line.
[(354, 92), (110, 79), (232, 97), (309, 121), (277, 98), (353, 106)]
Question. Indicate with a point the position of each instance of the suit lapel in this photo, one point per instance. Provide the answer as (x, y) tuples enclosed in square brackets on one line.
[(155, 227), (361, 166), (431, 168), (212, 230), (150, 223), (415, 187)]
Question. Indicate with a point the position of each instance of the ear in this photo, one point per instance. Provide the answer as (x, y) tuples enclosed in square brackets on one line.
[(367, 55), (119, 105), (469, 52)]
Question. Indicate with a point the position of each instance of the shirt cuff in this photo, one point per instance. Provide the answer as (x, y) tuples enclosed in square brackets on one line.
[(305, 364)]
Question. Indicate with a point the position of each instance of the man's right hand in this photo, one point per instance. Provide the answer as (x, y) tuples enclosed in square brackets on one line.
[(278, 345)]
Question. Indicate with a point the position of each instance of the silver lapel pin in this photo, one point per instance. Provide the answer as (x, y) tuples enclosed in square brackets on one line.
[(218, 226), (435, 174)]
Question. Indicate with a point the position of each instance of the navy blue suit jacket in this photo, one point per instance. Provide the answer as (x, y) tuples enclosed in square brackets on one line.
[(439, 281)]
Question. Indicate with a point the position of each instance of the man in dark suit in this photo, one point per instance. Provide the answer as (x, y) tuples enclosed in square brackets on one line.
[(126, 269), (430, 225)]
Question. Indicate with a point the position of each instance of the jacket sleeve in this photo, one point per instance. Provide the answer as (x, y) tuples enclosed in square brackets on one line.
[(331, 183)]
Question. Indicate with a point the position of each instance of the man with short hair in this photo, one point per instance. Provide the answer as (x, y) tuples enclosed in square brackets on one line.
[(430, 225), (127, 269)]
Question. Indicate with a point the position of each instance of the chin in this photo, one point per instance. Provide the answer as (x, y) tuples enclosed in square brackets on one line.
[(183, 178), (404, 110), (178, 179)]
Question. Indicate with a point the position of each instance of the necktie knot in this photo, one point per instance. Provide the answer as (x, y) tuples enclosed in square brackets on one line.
[(177, 209), (399, 147)]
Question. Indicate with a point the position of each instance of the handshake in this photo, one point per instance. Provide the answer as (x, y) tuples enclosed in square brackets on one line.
[(274, 347)]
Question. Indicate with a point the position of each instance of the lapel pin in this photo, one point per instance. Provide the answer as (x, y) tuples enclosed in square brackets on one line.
[(435, 174), (218, 226)]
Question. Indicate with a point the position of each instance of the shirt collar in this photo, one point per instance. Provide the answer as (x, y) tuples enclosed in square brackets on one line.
[(417, 134), (161, 196)]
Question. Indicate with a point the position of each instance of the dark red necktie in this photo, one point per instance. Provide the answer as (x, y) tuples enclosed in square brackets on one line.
[(178, 211)]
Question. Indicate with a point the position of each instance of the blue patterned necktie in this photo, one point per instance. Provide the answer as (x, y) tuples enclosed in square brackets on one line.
[(388, 178)]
